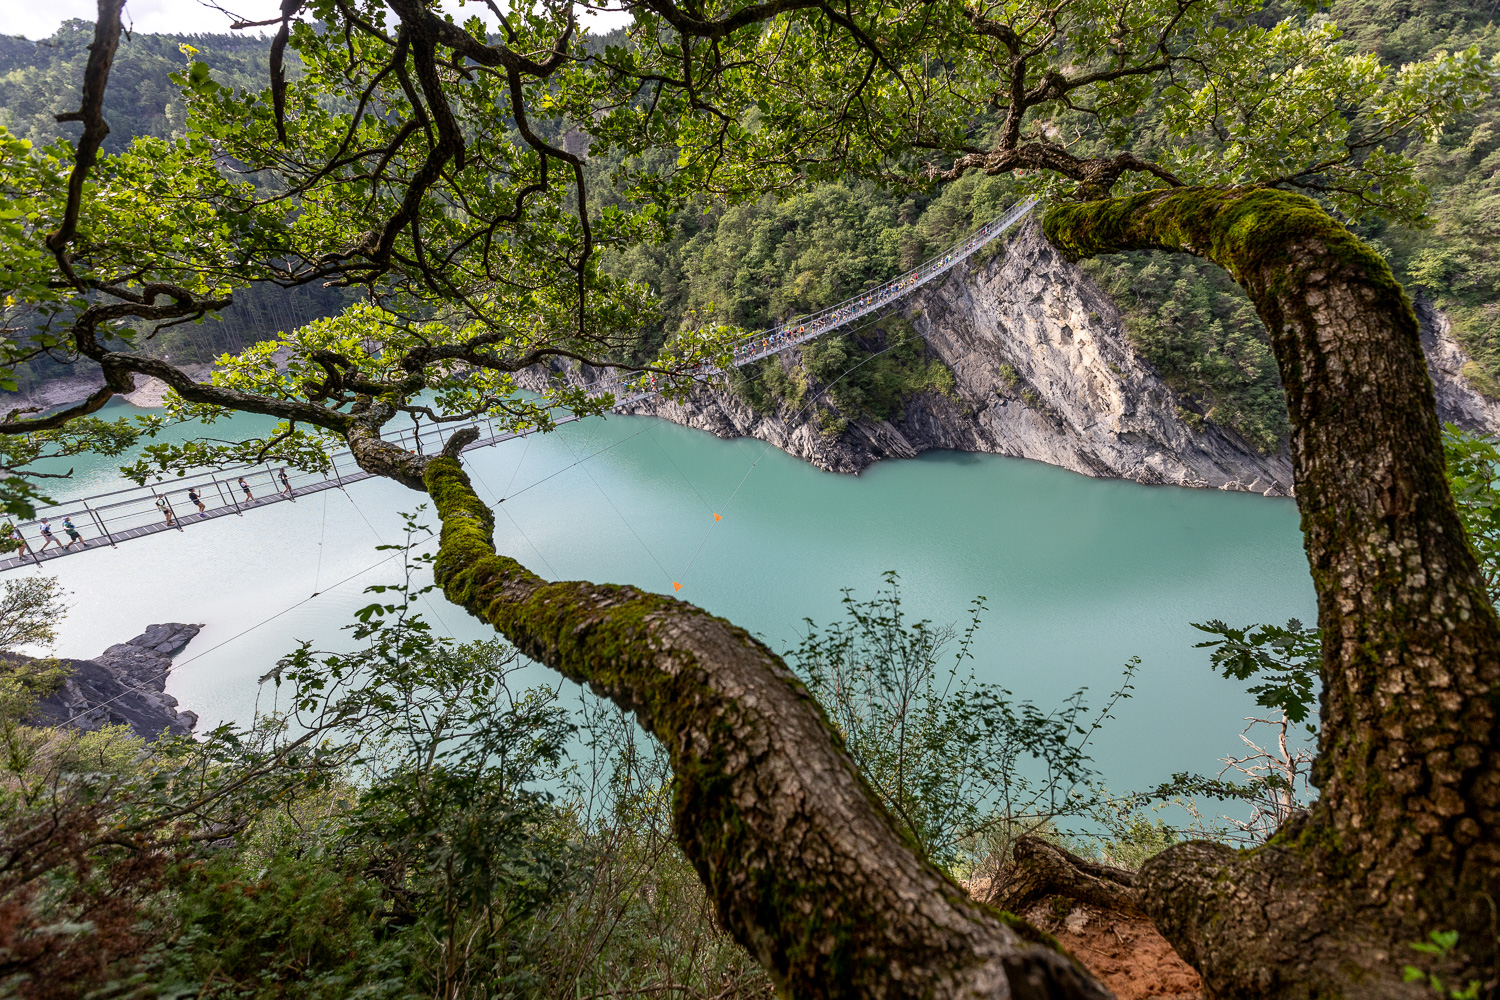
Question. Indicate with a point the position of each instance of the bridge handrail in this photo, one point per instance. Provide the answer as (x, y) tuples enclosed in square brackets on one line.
[(816, 323), (146, 516)]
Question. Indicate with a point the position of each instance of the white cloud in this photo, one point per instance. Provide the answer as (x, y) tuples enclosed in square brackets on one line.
[(36, 20)]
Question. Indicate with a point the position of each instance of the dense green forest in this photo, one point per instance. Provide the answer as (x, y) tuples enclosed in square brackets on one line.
[(753, 264)]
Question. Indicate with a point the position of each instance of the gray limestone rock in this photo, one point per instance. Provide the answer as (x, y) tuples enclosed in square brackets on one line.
[(1043, 369), (124, 684), (1458, 402)]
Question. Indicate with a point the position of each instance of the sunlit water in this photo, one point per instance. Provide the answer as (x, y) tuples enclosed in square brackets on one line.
[(1080, 574)]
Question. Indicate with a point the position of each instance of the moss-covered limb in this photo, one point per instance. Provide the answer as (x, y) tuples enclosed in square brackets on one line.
[(1406, 833), (804, 866)]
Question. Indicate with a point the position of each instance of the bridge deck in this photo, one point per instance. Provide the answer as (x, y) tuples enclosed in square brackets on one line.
[(106, 519)]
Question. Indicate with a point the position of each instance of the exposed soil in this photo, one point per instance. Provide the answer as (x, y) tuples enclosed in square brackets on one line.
[(1126, 953)]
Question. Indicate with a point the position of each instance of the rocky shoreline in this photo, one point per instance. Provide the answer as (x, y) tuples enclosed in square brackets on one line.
[(126, 684), (1043, 369), (64, 391)]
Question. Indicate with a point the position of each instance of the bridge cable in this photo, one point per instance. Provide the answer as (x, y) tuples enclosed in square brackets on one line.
[(517, 470), (322, 533), (652, 435), (498, 504), (567, 467), (243, 632), (555, 574), (629, 527)]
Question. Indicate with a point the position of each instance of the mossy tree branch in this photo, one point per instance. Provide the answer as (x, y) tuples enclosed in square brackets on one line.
[(805, 867), (1406, 834)]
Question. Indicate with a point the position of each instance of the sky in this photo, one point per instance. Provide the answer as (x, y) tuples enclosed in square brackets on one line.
[(34, 19)]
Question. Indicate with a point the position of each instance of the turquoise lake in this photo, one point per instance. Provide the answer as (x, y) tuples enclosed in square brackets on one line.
[(1080, 574)]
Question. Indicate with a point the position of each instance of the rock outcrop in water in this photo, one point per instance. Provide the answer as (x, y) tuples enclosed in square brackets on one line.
[(1042, 369), (124, 684)]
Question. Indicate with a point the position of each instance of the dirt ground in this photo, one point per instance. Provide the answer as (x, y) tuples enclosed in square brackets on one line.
[(1127, 954)]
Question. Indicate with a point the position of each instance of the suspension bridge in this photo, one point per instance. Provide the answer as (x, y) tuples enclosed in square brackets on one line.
[(106, 519)]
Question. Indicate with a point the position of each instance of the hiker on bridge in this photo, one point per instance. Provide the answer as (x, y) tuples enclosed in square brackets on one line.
[(166, 510), (12, 540), (48, 537), (286, 485), (249, 497), (74, 538), (192, 494)]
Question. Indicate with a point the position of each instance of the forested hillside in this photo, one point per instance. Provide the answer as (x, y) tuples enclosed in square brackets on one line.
[(40, 79), (751, 264), (1455, 261)]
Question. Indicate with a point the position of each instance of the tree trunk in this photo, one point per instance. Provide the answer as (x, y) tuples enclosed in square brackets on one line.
[(1403, 840), (804, 865), (1038, 869)]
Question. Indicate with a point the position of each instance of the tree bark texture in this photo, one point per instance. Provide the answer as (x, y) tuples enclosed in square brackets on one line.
[(1038, 869), (805, 867), (1403, 839)]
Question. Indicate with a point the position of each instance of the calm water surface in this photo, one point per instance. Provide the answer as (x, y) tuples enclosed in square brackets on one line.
[(1080, 574)]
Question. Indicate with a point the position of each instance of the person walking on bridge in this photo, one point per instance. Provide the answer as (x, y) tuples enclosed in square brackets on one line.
[(12, 540), (192, 494), (47, 537), (74, 538), (286, 485), (249, 497), (166, 511)]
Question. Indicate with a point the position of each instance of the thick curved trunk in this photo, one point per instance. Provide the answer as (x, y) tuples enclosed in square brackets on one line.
[(805, 867), (1403, 839)]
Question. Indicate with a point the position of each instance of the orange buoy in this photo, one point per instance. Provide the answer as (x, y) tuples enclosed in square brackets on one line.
[(676, 586), (717, 518)]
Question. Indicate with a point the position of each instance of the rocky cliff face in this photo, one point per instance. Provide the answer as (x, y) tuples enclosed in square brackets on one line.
[(1458, 402), (1043, 369), (124, 684)]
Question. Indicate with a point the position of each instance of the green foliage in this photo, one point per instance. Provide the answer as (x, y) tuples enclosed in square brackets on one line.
[(1132, 838), (397, 835), (870, 374), (1200, 332), (29, 609), (1285, 662), (24, 456), (1243, 103), (1438, 946), (297, 927), (1473, 465), (759, 263), (1450, 259), (756, 264), (948, 755), (40, 80)]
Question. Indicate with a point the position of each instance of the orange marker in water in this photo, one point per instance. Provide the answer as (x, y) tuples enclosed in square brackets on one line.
[(717, 518), (676, 586)]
